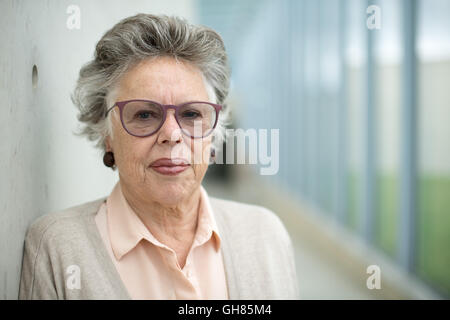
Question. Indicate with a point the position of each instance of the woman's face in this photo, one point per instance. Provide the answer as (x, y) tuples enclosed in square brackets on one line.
[(167, 81)]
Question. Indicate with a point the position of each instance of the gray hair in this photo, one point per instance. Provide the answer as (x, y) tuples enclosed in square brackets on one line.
[(141, 37)]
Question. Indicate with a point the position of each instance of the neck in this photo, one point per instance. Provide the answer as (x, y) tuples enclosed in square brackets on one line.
[(168, 224)]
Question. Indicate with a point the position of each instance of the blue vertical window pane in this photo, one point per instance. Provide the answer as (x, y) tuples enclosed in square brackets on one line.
[(328, 103), (433, 50), (356, 68), (388, 101)]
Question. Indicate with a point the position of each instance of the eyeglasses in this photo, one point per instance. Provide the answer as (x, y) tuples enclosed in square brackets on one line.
[(142, 118)]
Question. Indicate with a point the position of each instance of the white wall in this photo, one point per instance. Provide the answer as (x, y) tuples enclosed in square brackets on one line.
[(43, 166)]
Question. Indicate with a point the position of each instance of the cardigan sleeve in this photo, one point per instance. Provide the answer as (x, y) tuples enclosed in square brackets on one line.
[(295, 293), (282, 253), (37, 279)]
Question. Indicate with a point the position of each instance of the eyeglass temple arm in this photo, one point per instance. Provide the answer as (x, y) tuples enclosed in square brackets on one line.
[(106, 114)]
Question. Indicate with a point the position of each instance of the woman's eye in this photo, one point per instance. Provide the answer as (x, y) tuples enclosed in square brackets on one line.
[(144, 115), (191, 114)]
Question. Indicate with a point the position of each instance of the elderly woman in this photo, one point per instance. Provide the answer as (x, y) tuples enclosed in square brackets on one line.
[(153, 99)]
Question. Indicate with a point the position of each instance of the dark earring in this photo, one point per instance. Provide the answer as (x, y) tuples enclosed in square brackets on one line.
[(108, 159)]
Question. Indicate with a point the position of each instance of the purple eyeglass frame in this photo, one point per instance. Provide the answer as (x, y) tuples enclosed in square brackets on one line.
[(165, 107)]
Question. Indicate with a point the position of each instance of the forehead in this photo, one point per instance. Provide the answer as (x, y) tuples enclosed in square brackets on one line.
[(163, 79)]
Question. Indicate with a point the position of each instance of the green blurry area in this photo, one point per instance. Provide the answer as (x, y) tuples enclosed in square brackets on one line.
[(433, 237), (354, 197), (433, 261), (387, 202)]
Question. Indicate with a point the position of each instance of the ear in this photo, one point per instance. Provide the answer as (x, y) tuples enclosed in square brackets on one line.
[(108, 144)]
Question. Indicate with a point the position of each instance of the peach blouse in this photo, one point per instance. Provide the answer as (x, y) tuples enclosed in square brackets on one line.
[(148, 268)]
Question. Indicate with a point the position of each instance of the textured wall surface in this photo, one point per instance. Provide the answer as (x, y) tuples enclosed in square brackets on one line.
[(43, 166)]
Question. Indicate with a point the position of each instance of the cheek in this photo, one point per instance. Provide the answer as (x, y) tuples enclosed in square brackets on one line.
[(200, 151), (199, 171), (133, 153)]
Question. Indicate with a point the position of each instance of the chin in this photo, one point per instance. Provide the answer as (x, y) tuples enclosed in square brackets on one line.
[(170, 192)]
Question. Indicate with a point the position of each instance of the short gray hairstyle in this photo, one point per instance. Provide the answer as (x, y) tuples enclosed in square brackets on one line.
[(141, 37)]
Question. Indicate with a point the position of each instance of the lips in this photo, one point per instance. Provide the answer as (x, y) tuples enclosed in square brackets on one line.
[(168, 166), (166, 162)]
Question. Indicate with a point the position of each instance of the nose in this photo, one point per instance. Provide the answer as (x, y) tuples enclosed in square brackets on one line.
[(170, 131)]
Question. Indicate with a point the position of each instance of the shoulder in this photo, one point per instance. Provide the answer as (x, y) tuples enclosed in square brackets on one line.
[(249, 219), (52, 243), (241, 211), (64, 223)]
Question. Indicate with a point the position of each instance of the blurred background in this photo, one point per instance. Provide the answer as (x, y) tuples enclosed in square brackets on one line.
[(360, 97)]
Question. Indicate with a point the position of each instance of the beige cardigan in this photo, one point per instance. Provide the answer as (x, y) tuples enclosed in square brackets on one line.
[(257, 253)]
